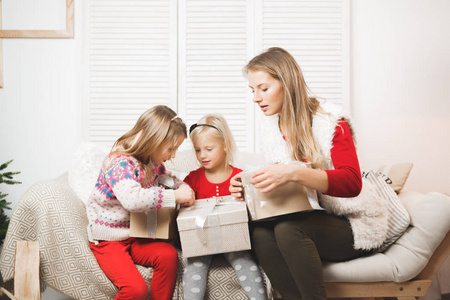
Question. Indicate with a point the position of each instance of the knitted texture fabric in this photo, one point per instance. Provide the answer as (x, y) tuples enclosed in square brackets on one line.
[(123, 187)]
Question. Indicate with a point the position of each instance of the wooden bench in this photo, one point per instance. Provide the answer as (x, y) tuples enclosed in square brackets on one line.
[(26, 272)]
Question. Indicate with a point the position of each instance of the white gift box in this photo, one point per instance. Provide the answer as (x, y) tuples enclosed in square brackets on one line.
[(213, 225)]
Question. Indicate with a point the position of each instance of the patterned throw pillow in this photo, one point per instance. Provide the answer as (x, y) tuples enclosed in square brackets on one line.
[(399, 218)]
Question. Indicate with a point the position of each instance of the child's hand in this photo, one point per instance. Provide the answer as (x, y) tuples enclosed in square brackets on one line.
[(184, 195), (236, 187)]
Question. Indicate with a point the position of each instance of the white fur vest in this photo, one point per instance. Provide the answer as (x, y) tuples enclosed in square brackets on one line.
[(367, 213)]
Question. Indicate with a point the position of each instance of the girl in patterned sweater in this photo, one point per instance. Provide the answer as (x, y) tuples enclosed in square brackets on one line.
[(128, 182), (214, 148)]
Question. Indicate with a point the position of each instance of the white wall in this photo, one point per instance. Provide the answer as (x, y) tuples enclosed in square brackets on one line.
[(401, 87), (400, 94), (40, 107)]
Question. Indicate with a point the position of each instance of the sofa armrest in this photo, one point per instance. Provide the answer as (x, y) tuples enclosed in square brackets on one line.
[(406, 258), (51, 213), (430, 223)]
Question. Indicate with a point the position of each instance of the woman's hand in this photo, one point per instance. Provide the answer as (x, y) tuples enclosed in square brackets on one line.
[(184, 195), (236, 187), (270, 177)]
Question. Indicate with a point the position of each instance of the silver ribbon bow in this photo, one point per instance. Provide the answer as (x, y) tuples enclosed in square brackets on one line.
[(205, 212)]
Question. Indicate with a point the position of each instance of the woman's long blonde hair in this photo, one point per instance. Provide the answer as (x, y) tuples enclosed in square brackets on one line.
[(156, 126), (298, 106), (221, 131)]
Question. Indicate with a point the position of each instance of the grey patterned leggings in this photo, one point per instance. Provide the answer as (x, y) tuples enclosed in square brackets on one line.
[(247, 271)]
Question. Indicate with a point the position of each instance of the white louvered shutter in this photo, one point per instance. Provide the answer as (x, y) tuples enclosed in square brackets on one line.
[(316, 34), (132, 63), (189, 55), (212, 52)]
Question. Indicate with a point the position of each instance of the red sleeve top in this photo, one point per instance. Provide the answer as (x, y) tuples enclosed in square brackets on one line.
[(204, 189), (345, 180)]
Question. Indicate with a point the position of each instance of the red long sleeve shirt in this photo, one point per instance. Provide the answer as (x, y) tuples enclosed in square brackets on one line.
[(345, 180)]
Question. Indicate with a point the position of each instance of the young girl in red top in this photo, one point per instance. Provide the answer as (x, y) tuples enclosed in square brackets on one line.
[(291, 248), (214, 147), (128, 183)]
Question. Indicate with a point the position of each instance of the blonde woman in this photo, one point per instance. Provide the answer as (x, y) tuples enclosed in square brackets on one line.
[(128, 183), (215, 148), (291, 248)]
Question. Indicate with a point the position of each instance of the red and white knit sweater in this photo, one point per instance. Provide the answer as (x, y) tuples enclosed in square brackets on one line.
[(120, 190)]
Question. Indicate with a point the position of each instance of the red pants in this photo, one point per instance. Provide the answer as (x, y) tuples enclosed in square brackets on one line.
[(117, 260)]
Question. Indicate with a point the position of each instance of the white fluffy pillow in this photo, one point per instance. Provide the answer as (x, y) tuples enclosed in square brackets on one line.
[(183, 163), (85, 167)]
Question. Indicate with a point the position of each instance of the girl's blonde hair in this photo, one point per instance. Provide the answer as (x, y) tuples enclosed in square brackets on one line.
[(156, 126), (298, 106), (220, 130)]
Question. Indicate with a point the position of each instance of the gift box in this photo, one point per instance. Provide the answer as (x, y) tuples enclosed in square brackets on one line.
[(157, 224), (213, 225), (288, 198)]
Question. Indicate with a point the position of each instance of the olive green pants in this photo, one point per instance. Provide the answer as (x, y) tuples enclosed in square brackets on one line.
[(291, 248)]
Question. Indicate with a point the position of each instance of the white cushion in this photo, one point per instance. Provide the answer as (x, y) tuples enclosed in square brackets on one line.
[(430, 222), (184, 162), (85, 167)]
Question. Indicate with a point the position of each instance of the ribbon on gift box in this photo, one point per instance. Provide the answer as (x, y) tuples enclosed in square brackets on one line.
[(251, 198), (152, 222), (163, 181), (206, 208)]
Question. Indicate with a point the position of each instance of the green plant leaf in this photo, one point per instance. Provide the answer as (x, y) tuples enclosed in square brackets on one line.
[(5, 164), (5, 204), (11, 182), (4, 219), (10, 174)]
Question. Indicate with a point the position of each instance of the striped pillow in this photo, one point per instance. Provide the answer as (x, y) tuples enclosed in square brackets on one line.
[(399, 219)]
